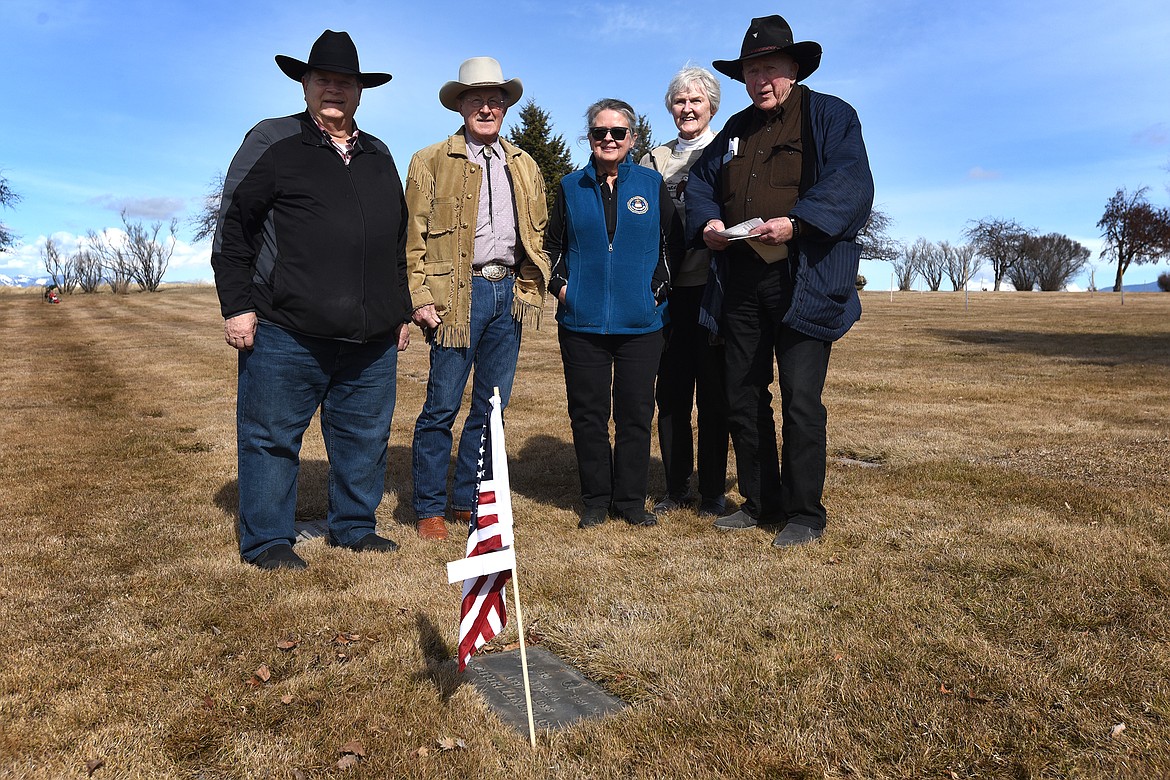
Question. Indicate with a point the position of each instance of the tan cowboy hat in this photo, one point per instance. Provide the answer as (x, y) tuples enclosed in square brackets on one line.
[(334, 52), (479, 72)]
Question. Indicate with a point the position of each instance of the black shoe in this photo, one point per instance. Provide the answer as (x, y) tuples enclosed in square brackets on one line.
[(794, 535), (371, 543), (736, 521), (592, 516), (640, 517), (279, 556), (713, 507)]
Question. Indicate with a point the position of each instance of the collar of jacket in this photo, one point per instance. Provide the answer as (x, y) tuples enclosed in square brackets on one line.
[(624, 168), (311, 135), (457, 146)]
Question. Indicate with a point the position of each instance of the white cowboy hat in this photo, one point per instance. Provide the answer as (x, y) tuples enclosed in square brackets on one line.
[(479, 72)]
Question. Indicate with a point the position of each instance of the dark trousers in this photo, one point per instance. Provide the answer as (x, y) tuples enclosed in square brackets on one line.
[(604, 374), (757, 297), (691, 373)]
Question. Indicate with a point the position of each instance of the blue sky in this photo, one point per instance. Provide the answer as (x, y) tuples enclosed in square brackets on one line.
[(1036, 111)]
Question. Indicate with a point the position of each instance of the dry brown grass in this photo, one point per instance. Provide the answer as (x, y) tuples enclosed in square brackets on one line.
[(989, 602)]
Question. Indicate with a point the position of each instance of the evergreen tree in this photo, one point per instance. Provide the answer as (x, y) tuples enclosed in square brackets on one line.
[(534, 135), (645, 140)]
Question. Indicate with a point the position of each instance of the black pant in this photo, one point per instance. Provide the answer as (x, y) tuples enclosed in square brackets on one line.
[(604, 372), (691, 371), (757, 297)]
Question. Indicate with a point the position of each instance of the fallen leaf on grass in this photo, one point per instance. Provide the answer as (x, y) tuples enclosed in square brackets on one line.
[(263, 674), (286, 699), (93, 765), (942, 688), (354, 747), (422, 752), (287, 644), (346, 638), (833, 560), (347, 761), (1115, 732), (208, 703), (449, 743)]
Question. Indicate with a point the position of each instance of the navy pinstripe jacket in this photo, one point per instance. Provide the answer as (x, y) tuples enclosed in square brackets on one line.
[(835, 199)]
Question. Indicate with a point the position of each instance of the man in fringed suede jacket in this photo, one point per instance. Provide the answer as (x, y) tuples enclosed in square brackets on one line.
[(477, 274)]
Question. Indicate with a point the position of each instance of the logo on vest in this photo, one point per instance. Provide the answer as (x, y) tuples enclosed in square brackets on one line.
[(638, 205)]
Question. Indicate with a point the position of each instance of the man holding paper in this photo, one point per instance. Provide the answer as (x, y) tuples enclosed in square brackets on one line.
[(795, 163)]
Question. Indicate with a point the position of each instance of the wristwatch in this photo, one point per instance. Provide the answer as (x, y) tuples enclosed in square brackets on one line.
[(795, 227)]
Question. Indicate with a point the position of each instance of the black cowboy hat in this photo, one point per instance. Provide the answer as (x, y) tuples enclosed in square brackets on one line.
[(334, 52), (772, 35)]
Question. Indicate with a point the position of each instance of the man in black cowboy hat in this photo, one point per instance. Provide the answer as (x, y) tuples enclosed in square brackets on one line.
[(310, 266), (795, 160)]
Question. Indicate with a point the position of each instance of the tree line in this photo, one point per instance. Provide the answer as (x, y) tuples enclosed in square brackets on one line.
[(1135, 232)]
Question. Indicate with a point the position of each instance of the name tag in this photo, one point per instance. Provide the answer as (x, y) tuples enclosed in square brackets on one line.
[(732, 150)]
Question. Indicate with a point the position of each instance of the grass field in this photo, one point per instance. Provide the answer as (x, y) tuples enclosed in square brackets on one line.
[(990, 599)]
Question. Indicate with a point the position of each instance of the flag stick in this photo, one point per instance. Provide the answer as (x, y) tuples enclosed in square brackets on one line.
[(520, 630), (524, 660)]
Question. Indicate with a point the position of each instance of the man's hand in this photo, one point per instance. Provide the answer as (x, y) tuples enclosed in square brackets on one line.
[(774, 232), (561, 293), (426, 317), (240, 331), (711, 236), (403, 337)]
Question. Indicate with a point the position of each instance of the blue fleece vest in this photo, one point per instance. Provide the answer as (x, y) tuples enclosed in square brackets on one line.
[(609, 289)]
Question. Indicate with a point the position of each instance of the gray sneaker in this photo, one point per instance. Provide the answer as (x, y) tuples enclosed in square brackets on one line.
[(794, 535), (736, 521)]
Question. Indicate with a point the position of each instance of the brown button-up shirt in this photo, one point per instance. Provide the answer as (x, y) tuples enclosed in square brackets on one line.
[(763, 179)]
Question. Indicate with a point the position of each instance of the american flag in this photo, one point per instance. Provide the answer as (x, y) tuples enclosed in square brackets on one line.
[(483, 614)]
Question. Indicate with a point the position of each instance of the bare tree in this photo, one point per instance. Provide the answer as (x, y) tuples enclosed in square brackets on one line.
[(136, 256), (959, 263), (88, 266), (1134, 231), (8, 199), (931, 263), (147, 256), (59, 268), (1054, 259), (113, 259), (999, 241), (1022, 275), (204, 222), (875, 240), (906, 265)]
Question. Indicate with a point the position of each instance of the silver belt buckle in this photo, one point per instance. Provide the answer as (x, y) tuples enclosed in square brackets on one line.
[(494, 272)]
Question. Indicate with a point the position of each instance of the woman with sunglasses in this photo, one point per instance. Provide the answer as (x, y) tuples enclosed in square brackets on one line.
[(612, 238)]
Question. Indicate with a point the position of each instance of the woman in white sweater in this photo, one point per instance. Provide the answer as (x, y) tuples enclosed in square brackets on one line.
[(692, 364)]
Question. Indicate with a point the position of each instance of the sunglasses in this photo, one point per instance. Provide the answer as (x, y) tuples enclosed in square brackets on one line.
[(599, 133)]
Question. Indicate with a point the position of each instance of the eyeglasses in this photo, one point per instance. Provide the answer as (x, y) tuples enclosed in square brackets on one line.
[(495, 104), (599, 133)]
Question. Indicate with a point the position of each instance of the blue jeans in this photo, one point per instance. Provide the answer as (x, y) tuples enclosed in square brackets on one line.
[(495, 346), (282, 382)]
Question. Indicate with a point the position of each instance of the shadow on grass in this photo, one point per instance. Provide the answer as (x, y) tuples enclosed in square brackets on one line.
[(441, 667), (1105, 349)]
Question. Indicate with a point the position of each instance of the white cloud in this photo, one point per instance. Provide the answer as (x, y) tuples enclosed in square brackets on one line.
[(142, 208)]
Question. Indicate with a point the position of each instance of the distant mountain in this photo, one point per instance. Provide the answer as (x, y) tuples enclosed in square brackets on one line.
[(22, 281), (1147, 287)]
